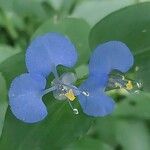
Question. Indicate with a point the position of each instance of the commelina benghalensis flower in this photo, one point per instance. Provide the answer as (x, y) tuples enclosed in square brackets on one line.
[(43, 56)]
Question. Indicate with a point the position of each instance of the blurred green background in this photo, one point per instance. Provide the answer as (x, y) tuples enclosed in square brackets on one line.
[(87, 23)]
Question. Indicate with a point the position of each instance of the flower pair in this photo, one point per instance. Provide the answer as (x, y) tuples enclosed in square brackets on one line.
[(44, 55)]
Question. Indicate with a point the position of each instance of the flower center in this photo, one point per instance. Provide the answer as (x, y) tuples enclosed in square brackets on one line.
[(64, 91), (63, 88), (118, 80)]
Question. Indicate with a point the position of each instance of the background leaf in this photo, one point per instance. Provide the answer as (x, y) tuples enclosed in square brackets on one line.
[(63, 7), (95, 10), (135, 106), (87, 143), (53, 132), (6, 52), (126, 134), (3, 102), (16, 65)]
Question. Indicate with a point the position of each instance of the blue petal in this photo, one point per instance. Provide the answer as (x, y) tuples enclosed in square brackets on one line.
[(25, 98), (97, 103), (47, 50), (109, 56)]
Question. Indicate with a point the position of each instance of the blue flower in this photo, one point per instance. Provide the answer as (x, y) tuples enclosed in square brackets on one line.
[(44, 55), (113, 55)]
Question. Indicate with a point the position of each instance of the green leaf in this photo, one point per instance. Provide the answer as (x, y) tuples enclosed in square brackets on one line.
[(142, 59), (136, 106), (6, 52), (76, 29), (3, 101), (125, 26), (15, 66), (95, 10), (31, 8), (133, 134), (123, 134), (82, 71), (59, 129), (6, 5), (56, 4), (62, 6), (88, 143)]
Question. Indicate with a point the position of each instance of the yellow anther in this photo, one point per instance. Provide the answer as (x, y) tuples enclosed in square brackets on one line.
[(70, 95), (129, 85)]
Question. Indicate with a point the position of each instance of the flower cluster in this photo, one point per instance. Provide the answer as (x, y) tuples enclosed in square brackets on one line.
[(43, 56)]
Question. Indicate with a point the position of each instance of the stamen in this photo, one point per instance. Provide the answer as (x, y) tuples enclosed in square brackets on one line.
[(75, 111), (139, 85), (63, 90), (49, 90), (70, 95), (133, 86), (129, 85), (85, 93)]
